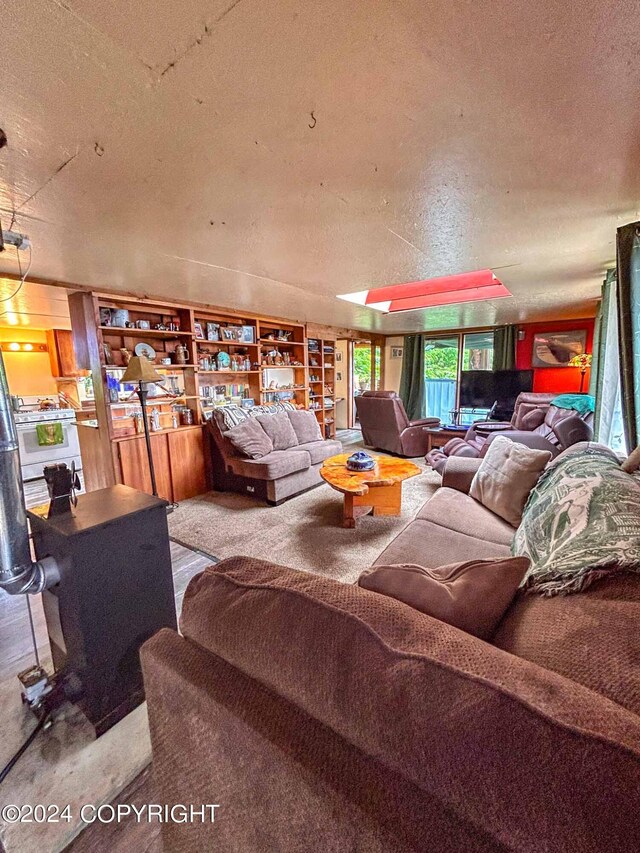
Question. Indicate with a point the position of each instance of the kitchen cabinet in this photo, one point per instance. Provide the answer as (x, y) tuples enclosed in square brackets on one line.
[(61, 353)]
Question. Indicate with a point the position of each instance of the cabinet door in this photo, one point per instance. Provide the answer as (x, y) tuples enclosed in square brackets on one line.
[(188, 475), (61, 353), (135, 465)]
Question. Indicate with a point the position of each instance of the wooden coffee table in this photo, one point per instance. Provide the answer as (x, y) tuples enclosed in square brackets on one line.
[(379, 490)]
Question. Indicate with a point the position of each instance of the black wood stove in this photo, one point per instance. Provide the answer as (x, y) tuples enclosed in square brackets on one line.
[(115, 591)]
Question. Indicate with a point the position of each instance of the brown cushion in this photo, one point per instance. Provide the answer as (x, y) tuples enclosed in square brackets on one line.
[(321, 450), (250, 439), (429, 544), (506, 476), (278, 463), (278, 428), (457, 511), (493, 737), (532, 419), (472, 596), (306, 426)]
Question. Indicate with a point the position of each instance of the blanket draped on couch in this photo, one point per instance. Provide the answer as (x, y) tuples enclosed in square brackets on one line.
[(582, 520)]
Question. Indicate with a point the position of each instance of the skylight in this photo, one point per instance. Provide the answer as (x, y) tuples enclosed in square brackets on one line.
[(446, 290)]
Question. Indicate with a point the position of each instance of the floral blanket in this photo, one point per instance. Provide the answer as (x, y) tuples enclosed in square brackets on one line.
[(582, 521)]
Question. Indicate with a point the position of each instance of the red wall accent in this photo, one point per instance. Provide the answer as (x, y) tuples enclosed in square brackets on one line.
[(550, 379)]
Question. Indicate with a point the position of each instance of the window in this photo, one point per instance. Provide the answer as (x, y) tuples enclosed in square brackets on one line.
[(477, 351)]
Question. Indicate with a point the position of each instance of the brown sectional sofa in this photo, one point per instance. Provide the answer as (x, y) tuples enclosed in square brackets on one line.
[(322, 716), (273, 478)]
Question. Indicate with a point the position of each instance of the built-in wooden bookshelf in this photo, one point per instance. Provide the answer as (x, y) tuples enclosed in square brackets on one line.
[(207, 358), (322, 399)]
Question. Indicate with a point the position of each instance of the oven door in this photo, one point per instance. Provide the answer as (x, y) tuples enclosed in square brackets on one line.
[(34, 456)]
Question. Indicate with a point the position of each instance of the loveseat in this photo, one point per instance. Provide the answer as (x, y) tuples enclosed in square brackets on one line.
[(278, 475), (323, 716)]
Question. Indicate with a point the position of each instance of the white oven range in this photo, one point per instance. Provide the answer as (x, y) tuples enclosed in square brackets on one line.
[(34, 456)]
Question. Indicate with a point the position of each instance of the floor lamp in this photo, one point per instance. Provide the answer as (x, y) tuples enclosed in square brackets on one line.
[(141, 370), (583, 361)]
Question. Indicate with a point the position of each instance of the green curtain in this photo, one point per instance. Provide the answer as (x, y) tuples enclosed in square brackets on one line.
[(504, 348), (412, 388), (628, 275)]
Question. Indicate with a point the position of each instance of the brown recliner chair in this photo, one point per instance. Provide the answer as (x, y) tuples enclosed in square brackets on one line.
[(535, 422), (385, 424)]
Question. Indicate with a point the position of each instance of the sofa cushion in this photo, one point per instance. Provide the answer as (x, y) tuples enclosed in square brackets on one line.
[(592, 638), (278, 428), (506, 476), (472, 596), (321, 450), (250, 439), (274, 465), (492, 736), (457, 511), (306, 426), (582, 521), (429, 544)]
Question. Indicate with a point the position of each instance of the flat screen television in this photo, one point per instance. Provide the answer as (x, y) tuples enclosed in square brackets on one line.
[(480, 389)]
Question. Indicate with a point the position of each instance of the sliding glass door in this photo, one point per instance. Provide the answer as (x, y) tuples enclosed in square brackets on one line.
[(441, 357), (444, 358)]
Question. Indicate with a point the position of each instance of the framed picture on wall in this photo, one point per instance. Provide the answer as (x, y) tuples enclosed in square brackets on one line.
[(556, 349), (396, 352), (338, 376), (338, 355)]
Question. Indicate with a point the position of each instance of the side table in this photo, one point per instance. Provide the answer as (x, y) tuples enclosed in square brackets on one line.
[(438, 436)]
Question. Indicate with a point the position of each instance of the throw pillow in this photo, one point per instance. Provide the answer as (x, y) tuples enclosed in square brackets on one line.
[(232, 415), (581, 523), (279, 429), (472, 596), (506, 476), (306, 426), (250, 439)]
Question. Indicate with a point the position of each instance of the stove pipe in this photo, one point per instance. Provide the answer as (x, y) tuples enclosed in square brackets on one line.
[(18, 572)]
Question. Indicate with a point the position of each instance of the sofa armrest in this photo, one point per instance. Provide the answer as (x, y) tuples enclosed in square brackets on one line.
[(572, 430), (529, 439), (489, 427), (425, 422), (459, 472)]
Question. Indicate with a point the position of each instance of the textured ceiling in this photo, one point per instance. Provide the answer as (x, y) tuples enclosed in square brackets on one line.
[(170, 149)]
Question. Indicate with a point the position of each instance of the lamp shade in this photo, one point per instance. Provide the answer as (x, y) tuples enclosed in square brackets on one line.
[(583, 361), (140, 369)]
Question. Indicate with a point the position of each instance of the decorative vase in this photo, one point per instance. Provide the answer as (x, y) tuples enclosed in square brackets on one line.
[(361, 461)]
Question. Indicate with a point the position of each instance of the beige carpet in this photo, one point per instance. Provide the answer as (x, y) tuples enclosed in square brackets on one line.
[(303, 533)]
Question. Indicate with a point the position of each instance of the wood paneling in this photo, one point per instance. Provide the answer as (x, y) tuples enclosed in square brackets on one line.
[(186, 452), (135, 465)]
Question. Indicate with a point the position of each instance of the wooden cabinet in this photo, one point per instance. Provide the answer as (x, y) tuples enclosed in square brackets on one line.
[(135, 465), (61, 353), (188, 471), (179, 463)]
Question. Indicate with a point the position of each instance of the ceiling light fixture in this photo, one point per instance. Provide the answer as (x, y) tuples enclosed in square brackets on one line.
[(433, 292)]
